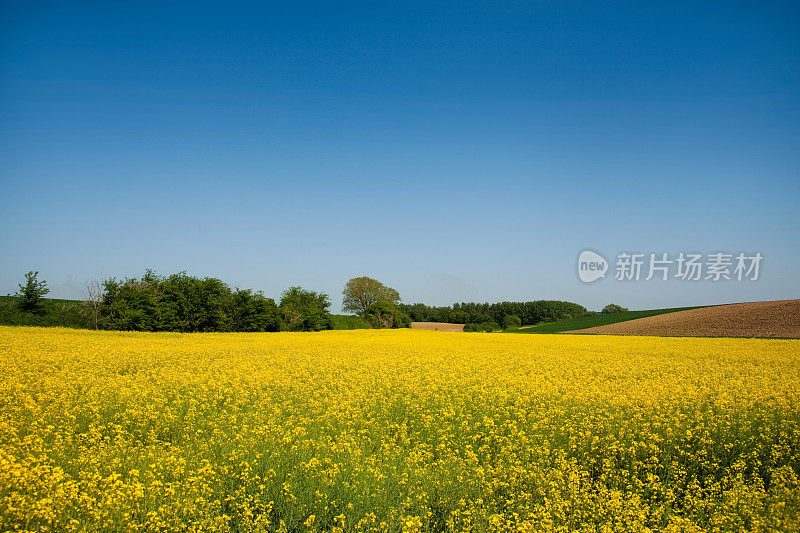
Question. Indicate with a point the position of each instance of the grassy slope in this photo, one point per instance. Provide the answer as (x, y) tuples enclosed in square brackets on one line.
[(349, 322), (597, 320), (66, 313), (12, 299)]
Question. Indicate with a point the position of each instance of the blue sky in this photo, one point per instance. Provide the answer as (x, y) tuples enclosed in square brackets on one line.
[(455, 151)]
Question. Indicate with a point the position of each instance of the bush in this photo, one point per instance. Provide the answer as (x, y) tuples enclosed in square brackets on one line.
[(252, 311), (482, 326), (304, 310), (183, 303), (511, 321), (613, 308), (386, 315)]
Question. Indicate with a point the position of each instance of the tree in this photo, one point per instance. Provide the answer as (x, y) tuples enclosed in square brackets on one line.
[(181, 302), (511, 321), (360, 293), (93, 301), (487, 326), (32, 292), (303, 310), (613, 308), (252, 311)]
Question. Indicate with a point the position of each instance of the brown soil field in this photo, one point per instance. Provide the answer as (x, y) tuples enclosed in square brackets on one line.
[(437, 326), (780, 318)]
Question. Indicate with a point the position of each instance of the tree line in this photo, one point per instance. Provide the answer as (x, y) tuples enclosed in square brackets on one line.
[(178, 302), (497, 315), (184, 303)]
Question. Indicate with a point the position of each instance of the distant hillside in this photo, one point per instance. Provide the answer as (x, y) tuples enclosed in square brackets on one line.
[(596, 320), (57, 312), (779, 319)]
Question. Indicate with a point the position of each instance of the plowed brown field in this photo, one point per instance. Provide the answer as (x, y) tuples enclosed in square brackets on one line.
[(780, 318)]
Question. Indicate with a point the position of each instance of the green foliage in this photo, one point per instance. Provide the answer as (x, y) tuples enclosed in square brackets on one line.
[(458, 317), (183, 303), (360, 293), (55, 313), (613, 308), (533, 312), (31, 294), (487, 326), (386, 315), (304, 310), (598, 319), (511, 321), (349, 322), (252, 311)]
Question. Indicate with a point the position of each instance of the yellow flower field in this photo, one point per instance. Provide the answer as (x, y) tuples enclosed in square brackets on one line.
[(396, 431)]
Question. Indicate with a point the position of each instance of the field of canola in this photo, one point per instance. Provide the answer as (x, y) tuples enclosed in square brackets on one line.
[(396, 431)]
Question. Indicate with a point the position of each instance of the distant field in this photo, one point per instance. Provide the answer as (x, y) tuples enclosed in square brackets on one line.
[(779, 319), (597, 320)]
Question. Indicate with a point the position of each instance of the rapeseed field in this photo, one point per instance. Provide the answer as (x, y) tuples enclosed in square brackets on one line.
[(396, 431)]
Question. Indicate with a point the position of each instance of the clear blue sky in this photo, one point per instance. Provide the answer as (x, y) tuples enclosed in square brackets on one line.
[(455, 151)]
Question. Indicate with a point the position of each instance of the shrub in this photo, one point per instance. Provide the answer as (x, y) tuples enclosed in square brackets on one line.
[(613, 308), (184, 303), (482, 326), (386, 315), (304, 310), (252, 311)]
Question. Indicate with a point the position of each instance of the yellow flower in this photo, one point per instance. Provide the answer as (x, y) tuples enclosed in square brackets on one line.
[(402, 430)]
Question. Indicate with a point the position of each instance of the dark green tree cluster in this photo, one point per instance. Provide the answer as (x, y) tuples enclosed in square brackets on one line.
[(613, 308), (386, 315), (189, 304), (511, 321), (487, 314), (487, 326), (303, 310), (184, 303)]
